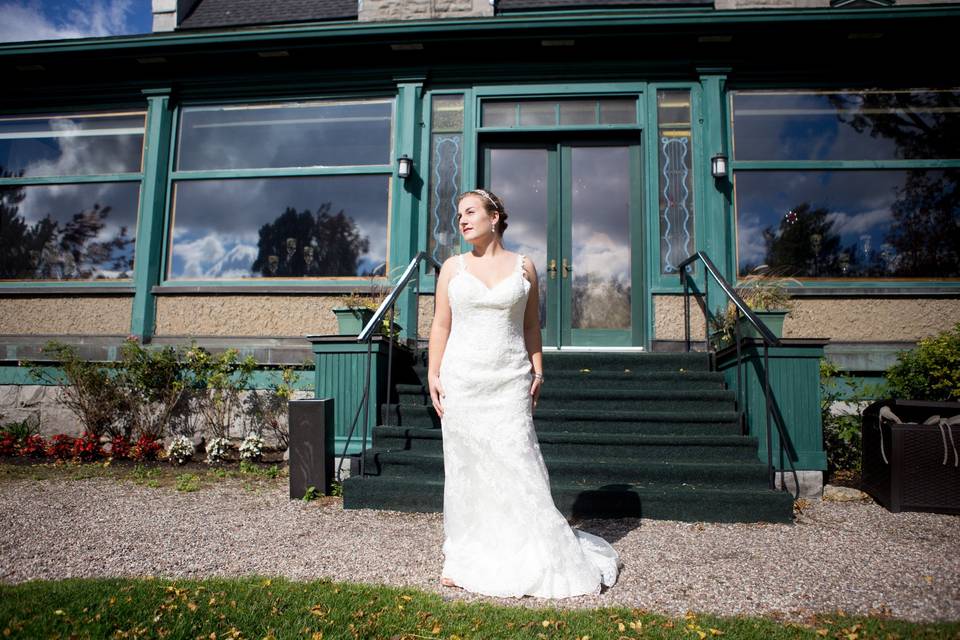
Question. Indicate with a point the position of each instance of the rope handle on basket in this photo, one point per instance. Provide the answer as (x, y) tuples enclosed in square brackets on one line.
[(946, 427), (886, 413)]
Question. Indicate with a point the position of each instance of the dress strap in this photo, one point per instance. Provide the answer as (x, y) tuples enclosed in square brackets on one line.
[(523, 273), (461, 263)]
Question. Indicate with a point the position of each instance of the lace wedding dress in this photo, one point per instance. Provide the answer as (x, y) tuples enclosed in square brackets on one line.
[(503, 535)]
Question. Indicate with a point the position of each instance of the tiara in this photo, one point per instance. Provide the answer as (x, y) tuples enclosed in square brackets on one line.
[(487, 196)]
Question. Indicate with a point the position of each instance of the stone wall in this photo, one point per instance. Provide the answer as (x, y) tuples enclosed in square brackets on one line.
[(375, 10)]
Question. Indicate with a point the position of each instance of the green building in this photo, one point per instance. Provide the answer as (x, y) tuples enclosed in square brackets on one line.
[(230, 176)]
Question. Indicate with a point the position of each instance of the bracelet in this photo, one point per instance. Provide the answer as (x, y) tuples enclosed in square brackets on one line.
[(539, 376)]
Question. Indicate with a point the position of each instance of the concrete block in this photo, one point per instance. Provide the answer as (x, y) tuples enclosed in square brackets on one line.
[(32, 395), (9, 396), (811, 482)]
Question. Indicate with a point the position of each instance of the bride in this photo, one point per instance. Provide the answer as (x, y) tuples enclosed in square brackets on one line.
[(503, 535)]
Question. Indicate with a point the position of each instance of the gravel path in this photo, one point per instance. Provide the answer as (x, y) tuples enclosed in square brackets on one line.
[(853, 556)]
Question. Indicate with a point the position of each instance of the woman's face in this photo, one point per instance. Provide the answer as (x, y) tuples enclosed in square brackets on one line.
[(475, 223)]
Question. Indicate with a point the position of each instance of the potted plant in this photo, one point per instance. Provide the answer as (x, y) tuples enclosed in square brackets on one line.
[(766, 294), (356, 309)]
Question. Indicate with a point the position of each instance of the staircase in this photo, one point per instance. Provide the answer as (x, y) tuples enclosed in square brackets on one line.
[(622, 434)]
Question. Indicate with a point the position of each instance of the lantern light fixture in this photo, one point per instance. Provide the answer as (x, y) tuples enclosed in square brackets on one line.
[(718, 166), (404, 166)]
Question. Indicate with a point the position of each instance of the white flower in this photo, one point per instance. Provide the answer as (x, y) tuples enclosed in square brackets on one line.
[(217, 449), (251, 447), (180, 449)]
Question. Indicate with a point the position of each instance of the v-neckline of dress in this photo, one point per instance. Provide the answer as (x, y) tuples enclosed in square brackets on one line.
[(463, 262)]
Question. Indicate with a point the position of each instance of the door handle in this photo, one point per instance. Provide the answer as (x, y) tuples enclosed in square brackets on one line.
[(553, 269), (566, 268)]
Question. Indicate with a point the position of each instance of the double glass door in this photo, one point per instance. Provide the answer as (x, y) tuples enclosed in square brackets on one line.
[(574, 209)]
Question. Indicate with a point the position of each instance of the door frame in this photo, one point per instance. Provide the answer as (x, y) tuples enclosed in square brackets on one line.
[(558, 145)]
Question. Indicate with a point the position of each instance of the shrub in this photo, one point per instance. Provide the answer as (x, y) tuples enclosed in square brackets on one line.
[(33, 446), (61, 446), (153, 383), (87, 447), (217, 450), (146, 448), (21, 429), (268, 408), (8, 445), (90, 393), (252, 447), (218, 381), (931, 371), (120, 447), (843, 426), (180, 449)]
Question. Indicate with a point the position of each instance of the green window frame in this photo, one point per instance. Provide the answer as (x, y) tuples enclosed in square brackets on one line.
[(743, 169), (85, 179), (177, 176)]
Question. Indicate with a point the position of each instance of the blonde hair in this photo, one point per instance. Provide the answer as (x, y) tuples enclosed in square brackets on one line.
[(491, 203)]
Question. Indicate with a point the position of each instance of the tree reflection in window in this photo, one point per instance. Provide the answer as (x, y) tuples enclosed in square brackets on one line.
[(89, 244), (307, 244), (863, 220)]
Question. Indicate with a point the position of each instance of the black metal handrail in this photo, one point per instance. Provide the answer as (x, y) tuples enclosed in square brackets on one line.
[(767, 336), (410, 274)]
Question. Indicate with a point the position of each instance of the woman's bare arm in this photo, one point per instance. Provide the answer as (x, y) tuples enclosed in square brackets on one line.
[(439, 333), (531, 328)]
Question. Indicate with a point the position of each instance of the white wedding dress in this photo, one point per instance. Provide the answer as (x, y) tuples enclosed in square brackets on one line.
[(503, 534)]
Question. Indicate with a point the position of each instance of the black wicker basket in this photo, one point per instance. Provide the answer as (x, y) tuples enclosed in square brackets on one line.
[(912, 466)]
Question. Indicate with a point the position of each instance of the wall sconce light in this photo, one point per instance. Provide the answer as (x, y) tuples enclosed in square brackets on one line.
[(718, 166), (404, 166)]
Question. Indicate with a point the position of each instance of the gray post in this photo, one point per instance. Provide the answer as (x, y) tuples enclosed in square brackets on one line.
[(311, 445)]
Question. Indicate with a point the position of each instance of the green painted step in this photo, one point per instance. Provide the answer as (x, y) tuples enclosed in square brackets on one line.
[(620, 420), (586, 467), (684, 502), (618, 361), (592, 446), (607, 399), (625, 379)]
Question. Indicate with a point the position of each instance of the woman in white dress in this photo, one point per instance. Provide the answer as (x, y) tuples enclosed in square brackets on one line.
[(503, 535)]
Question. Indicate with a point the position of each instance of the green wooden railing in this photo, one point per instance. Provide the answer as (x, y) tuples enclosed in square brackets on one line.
[(388, 306), (766, 336)]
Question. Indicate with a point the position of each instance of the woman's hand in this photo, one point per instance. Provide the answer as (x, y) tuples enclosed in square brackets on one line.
[(535, 389), (436, 392)]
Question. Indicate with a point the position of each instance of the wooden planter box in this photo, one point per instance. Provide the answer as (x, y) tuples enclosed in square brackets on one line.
[(904, 465)]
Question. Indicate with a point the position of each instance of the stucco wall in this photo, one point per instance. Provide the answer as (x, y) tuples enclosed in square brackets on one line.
[(840, 319), (73, 315), (246, 315), (668, 318)]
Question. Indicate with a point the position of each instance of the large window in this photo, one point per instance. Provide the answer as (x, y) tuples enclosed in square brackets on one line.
[(291, 190), (848, 184), (69, 192)]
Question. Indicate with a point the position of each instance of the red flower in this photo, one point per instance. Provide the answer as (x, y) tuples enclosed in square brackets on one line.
[(87, 447), (8, 445), (119, 447), (146, 448), (33, 446), (61, 447)]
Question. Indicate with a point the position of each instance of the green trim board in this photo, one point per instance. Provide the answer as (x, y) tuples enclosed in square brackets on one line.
[(149, 250)]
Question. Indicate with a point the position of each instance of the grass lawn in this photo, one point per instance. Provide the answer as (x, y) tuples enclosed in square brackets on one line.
[(259, 607)]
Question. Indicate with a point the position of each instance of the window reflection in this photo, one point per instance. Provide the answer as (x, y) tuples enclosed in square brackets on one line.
[(72, 145), (310, 134), (543, 113), (866, 125), (68, 232), (280, 227), (600, 296), (519, 177), (850, 223)]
